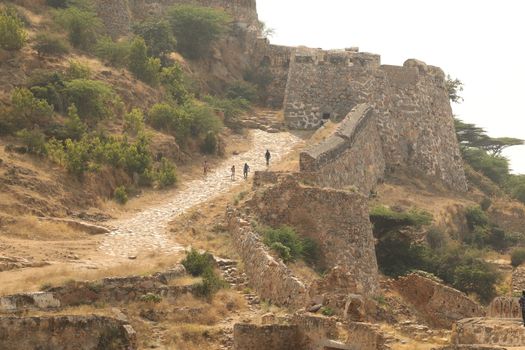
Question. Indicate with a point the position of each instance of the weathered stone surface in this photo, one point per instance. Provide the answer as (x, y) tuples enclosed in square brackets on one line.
[(339, 160), (271, 278), (505, 307), (337, 220), (366, 336), (489, 331), (413, 113), (275, 337), (439, 304), (65, 333), (12, 263), (81, 226), (28, 301)]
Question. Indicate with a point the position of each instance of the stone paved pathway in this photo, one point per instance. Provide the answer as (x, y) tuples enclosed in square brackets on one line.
[(146, 231)]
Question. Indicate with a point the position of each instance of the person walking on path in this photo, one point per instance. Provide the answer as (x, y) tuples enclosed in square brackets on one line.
[(205, 167), (522, 304), (267, 155), (245, 170), (233, 173)]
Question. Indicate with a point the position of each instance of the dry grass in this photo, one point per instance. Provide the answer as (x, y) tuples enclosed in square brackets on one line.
[(26, 280), (30, 227)]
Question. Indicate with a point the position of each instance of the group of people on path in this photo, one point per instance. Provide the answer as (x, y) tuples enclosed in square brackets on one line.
[(245, 170)]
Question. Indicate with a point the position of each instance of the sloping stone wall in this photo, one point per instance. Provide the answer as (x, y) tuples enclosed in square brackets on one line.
[(337, 220), (66, 333), (352, 156), (270, 277), (439, 304)]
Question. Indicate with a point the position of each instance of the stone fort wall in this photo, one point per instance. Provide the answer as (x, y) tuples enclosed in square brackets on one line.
[(119, 15), (352, 156)]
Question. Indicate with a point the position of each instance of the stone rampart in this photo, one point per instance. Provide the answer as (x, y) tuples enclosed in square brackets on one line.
[(489, 331), (439, 304), (366, 336), (276, 337), (119, 15), (352, 156), (270, 277), (66, 333), (505, 307), (338, 221)]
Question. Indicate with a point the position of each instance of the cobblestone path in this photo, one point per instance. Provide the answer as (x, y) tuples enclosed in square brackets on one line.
[(146, 231)]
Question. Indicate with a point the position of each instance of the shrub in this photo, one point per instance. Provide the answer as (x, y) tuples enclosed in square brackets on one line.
[(196, 263), (211, 283), (209, 145), (203, 119), (327, 311), (151, 298), (286, 237), (242, 90), (283, 251), (75, 128), (231, 109), (495, 168), (516, 187), (310, 251), (485, 204), (77, 156), (158, 37), (196, 28), (134, 122), (121, 195), (47, 44), (77, 70), (33, 140), (436, 238), (476, 217), (12, 33), (114, 53), (55, 151), (172, 78), (166, 174), (162, 116), (27, 111), (82, 25), (517, 257), (477, 277), (94, 99), (143, 67)]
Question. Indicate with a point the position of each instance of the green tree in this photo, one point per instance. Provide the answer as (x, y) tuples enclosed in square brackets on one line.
[(94, 99), (197, 28), (82, 25), (143, 67), (172, 78), (158, 36), (495, 168), (454, 88), (12, 33), (134, 122), (75, 127), (114, 53)]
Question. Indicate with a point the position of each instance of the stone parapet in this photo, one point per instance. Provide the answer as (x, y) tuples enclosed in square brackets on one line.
[(489, 331), (504, 307)]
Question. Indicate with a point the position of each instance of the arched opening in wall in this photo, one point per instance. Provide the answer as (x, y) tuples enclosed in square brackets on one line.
[(326, 116)]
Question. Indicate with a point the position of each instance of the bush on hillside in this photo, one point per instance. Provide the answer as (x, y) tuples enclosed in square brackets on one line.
[(25, 112), (48, 44), (289, 246), (495, 168), (94, 99), (158, 37), (166, 174), (82, 25), (121, 195), (209, 144), (475, 217), (176, 121), (77, 70), (134, 122), (211, 284), (242, 90), (515, 185), (196, 263), (12, 33), (436, 238), (203, 119), (33, 140), (143, 67), (173, 80), (517, 257), (231, 109), (386, 219), (197, 28), (115, 54), (75, 128)]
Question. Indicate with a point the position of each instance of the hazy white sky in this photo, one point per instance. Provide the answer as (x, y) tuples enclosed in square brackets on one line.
[(480, 42)]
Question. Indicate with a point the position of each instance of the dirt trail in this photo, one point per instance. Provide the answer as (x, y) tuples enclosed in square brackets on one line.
[(146, 231)]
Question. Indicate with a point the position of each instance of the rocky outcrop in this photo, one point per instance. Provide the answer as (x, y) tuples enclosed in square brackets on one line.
[(66, 333), (13, 262), (489, 331), (270, 277), (337, 221), (440, 305)]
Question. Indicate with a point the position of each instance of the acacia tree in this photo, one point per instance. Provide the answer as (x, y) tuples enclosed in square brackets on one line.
[(454, 87)]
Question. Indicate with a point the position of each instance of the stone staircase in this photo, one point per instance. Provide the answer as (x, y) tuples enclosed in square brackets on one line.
[(237, 280), (271, 121)]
